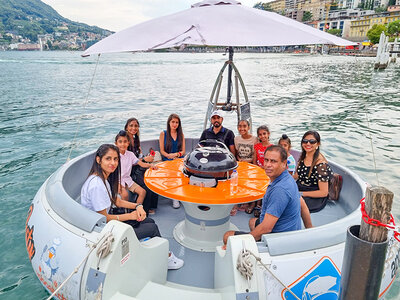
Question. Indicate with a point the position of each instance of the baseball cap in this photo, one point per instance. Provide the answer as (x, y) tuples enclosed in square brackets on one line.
[(217, 113)]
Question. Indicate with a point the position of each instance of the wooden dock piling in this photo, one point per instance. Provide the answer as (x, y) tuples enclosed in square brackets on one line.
[(365, 250), (378, 205)]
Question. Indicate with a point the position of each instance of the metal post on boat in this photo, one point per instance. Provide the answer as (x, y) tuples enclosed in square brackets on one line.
[(365, 250), (229, 92)]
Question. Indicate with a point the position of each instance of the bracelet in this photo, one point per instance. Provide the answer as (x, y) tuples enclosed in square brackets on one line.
[(117, 217), (139, 205), (180, 154)]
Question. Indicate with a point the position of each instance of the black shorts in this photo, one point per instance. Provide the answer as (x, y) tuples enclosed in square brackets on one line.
[(243, 232)]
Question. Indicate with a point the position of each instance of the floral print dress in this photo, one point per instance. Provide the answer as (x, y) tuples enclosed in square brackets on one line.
[(320, 172)]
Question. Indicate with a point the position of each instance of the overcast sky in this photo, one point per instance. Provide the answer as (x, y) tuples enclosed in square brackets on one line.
[(119, 14)]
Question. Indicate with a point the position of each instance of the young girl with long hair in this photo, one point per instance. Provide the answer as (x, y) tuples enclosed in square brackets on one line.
[(132, 127), (259, 148), (244, 142), (263, 134), (99, 193), (244, 148), (313, 172)]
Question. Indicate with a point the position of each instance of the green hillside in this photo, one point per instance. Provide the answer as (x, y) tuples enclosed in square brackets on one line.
[(29, 18)]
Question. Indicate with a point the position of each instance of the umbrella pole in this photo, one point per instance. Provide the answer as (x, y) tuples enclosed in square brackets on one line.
[(213, 104), (229, 92)]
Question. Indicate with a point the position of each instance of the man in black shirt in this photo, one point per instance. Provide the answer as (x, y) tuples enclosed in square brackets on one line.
[(218, 132)]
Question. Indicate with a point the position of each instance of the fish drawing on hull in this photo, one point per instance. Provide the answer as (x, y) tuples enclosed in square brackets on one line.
[(319, 288), (48, 259)]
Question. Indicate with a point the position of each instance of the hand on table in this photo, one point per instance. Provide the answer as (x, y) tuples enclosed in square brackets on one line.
[(149, 158)]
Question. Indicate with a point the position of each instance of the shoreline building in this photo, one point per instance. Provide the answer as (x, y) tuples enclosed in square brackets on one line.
[(341, 19), (352, 4), (291, 9), (359, 27), (318, 9), (278, 6), (344, 15)]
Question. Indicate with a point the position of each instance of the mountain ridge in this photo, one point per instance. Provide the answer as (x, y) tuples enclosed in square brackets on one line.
[(28, 18)]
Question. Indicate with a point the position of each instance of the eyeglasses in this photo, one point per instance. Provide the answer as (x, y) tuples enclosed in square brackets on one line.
[(312, 141)]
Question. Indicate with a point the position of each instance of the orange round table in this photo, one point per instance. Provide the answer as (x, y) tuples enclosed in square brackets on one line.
[(207, 209)]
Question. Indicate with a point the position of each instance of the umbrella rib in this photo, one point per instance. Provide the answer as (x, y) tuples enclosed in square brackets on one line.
[(174, 38)]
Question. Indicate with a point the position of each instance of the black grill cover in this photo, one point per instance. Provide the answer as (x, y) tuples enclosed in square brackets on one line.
[(210, 162)]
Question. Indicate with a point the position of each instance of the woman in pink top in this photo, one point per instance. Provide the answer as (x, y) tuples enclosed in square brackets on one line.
[(128, 159)]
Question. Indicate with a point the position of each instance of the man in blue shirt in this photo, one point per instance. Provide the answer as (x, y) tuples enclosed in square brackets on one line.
[(218, 132), (281, 208)]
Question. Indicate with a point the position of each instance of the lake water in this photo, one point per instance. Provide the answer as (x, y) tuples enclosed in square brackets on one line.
[(43, 96)]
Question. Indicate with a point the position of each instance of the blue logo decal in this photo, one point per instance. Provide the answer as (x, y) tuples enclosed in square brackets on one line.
[(320, 283)]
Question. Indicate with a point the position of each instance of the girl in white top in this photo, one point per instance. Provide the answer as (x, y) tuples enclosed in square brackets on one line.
[(100, 191), (244, 146), (244, 143)]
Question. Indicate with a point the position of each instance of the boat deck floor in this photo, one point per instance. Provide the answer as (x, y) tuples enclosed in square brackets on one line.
[(198, 270)]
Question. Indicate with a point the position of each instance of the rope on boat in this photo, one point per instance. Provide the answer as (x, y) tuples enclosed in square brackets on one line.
[(390, 226), (84, 107), (372, 148), (244, 265), (245, 268), (104, 249)]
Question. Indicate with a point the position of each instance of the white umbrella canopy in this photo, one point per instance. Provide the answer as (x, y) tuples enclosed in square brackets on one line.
[(215, 23)]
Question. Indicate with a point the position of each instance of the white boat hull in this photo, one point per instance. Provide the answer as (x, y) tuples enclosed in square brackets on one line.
[(58, 239)]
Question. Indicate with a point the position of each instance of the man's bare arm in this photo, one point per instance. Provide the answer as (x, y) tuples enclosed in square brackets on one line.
[(264, 227)]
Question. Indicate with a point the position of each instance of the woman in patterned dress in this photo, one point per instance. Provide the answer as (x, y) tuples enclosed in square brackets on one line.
[(313, 172)]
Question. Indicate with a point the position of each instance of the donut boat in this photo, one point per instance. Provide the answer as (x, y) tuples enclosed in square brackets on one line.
[(77, 255), (109, 261)]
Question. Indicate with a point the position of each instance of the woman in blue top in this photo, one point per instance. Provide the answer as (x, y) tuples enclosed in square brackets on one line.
[(172, 143), (172, 140)]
